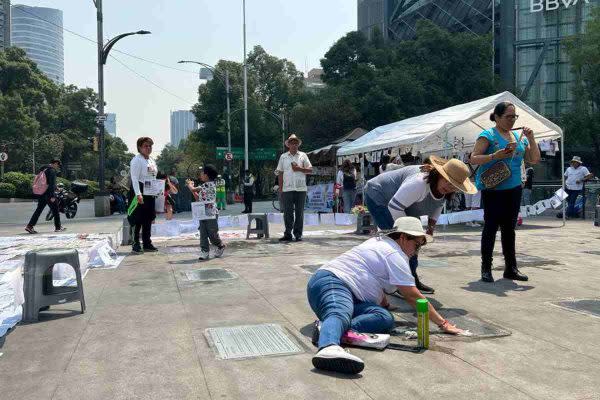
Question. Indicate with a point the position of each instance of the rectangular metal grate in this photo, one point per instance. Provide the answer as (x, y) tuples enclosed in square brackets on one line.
[(585, 306), (209, 275), (249, 341)]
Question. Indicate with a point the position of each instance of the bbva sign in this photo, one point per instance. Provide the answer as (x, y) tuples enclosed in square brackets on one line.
[(550, 5)]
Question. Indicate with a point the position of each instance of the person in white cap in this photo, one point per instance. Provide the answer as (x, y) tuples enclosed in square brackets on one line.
[(291, 170), (348, 295), (575, 175)]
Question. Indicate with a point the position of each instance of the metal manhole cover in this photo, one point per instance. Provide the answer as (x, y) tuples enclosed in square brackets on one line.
[(479, 328), (249, 341), (209, 275), (584, 306), (179, 249)]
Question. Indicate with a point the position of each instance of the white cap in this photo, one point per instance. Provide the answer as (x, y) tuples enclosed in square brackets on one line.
[(411, 226)]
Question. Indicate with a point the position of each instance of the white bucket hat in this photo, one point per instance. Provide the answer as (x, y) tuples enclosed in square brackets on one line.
[(411, 226)]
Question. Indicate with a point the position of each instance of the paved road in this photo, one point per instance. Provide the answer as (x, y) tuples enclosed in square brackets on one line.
[(143, 335)]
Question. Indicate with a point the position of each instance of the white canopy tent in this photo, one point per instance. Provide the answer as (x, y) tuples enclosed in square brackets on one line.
[(449, 130)]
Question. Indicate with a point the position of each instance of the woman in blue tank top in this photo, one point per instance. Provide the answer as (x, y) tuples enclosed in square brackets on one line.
[(501, 203)]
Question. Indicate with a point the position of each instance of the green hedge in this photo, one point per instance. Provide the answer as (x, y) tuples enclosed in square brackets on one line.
[(7, 190), (22, 183)]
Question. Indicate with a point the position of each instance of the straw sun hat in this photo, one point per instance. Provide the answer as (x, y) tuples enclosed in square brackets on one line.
[(456, 172), (293, 137)]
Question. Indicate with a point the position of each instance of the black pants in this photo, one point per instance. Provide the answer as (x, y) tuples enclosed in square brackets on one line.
[(44, 201), (144, 219), (209, 231), (571, 200), (293, 212), (501, 210), (248, 197)]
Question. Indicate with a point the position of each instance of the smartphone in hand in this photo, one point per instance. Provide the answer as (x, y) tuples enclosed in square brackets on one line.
[(510, 147)]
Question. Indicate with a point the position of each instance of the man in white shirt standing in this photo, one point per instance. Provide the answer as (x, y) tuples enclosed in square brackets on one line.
[(291, 171), (575, 175)]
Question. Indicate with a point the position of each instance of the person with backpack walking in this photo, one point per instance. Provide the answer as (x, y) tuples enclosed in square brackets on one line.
[(44, 188)]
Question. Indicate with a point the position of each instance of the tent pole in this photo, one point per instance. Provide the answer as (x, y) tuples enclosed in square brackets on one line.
[(562, 166)]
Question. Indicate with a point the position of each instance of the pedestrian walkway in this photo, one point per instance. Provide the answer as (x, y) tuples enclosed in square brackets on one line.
[(144, 333)]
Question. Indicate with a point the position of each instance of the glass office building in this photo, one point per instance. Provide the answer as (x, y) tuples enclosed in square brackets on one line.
[(542, 69), (4, 24), (528, 38), (38, 31), (182, 123)]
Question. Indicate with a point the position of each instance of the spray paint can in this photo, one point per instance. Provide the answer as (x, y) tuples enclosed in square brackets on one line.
[(423, 323)]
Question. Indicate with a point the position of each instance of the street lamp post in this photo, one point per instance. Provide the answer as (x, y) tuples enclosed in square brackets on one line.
[(245, 96), (101, 201)]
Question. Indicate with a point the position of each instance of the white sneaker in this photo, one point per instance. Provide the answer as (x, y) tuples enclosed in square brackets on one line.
[(370, 340), (219, 251), (334, 358), (203, 255)]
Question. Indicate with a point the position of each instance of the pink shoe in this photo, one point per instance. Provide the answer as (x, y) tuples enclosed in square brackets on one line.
[(370, 340), (519, 221)]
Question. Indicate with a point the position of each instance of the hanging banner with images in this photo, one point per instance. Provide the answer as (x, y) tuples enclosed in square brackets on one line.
[(319, 198)]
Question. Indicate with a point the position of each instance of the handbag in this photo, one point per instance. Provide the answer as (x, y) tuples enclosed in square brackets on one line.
[(495, 175)]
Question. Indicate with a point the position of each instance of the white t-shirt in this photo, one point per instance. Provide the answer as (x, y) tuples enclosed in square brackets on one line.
[(573, 175), (416, 192), (369, 269), (293, 180), (141, 170)]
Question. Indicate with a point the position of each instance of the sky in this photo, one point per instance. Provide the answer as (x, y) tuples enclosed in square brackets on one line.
[(201, 30)]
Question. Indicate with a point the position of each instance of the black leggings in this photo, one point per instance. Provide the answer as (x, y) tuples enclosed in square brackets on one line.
[(501, 210)]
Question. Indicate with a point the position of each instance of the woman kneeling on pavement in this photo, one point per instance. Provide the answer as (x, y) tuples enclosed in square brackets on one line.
[(348, 294)]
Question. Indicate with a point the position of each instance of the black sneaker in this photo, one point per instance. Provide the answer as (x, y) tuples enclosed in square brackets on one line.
[(137, 249), (423, 288), (61, 229), (316, 333), (298, 238), (286, 239), (29, 229), (150, 248)]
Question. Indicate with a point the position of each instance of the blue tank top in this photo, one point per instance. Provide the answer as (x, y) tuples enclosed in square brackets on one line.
[(497, 142)]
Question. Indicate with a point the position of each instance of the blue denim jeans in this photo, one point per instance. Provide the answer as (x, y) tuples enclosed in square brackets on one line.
[(380, 213), (338, 310)]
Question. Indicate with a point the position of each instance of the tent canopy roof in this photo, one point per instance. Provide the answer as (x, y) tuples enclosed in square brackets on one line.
[(447, 129)]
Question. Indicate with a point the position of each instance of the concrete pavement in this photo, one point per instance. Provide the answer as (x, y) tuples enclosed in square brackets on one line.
[(143, 334)]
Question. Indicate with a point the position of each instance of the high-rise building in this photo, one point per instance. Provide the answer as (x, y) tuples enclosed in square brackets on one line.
[(38, 31), (528, 38), (4, 24), (182, 123), (110, 125)]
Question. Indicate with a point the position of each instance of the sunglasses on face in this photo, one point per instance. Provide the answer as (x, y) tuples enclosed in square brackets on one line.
[(511, 116)]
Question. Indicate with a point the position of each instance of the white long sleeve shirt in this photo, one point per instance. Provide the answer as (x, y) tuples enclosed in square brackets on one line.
[(414, 199), (141, 170)]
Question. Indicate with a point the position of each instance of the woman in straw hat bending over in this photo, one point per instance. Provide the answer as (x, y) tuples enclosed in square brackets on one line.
[(416, 191), (348, 295)]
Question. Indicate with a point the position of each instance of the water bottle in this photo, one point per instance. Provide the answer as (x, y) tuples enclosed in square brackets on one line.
[(423, 323)]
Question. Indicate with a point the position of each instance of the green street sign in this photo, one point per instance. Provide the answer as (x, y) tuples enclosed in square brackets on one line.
[(260, 154)]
